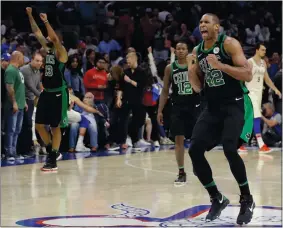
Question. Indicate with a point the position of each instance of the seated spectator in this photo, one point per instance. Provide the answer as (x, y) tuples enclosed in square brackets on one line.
[(82, 119), (73, 76), (272, 128)]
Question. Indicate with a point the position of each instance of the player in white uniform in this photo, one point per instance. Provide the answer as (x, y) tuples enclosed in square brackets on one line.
[(259, 71)]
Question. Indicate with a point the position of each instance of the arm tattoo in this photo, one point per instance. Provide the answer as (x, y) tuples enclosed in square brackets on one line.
[(11, 92)]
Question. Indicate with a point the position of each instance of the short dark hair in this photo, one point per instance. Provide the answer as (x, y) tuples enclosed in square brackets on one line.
[(187, 42), (214, 17), (257, 46)]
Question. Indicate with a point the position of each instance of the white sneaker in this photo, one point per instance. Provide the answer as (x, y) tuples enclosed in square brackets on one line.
[(156, 144), (82, 148), (11, 158), (136, 147), (169, 142), (129, 142), (20, 157), (142, 143)]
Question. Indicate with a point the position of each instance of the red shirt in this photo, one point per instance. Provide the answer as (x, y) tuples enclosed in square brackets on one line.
[(148, 98), (95, 81)]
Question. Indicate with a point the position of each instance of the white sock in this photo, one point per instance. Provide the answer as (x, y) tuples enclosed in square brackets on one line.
[(259, 140), (80, 140)]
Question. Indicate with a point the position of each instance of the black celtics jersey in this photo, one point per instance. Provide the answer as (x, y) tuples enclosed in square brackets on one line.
[(182, 91), (53, 77), (217, 84)]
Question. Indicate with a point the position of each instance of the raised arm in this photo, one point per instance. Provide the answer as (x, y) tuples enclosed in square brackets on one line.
[(61, 52), (35, 29)]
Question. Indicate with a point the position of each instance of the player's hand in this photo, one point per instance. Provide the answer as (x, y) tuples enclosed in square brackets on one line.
[(213, 61), (160, 118), (118, 103), (43, 16), (15, 108), (172, 50), (29, 10), (278, 93), (149, 49), (127, 79)]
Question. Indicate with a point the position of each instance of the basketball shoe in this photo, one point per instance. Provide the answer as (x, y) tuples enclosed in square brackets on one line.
[(219, 202), (246, 210)]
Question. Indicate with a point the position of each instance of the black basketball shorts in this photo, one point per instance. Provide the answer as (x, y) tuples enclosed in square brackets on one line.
[(183, 119), (49, 109), (228, 123)]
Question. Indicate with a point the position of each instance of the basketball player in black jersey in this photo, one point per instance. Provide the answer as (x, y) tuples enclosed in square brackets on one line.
[(53, 101), (185, 103), (223, 68)]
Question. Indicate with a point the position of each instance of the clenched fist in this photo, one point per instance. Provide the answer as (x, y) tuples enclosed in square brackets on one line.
[(29, 10), (43, 16)]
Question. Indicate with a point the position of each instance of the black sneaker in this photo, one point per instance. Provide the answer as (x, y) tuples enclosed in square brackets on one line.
[(181, 180), (50, 164), (218, 204), (246, 210)]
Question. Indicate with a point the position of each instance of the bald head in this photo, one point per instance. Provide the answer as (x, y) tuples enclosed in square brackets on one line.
[(17, 59), (16, 55)]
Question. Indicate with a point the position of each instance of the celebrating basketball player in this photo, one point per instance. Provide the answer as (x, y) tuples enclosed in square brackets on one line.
[(228, 116), (53, 101), (255, 87), (185, 103)]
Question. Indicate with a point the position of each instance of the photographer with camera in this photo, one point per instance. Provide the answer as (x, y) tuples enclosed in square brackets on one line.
[(272, 128)]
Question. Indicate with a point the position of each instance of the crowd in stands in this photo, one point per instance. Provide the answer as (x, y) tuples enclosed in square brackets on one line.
[(99, 35)]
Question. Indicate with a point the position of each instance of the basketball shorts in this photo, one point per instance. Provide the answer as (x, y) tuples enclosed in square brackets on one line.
[(51, 109), (256, 98), (183, 119), (231, 122)]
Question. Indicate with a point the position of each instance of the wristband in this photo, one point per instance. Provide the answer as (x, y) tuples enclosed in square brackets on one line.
[(45, 21)]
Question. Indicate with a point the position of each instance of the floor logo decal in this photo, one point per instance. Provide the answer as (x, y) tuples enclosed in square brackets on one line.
[(138, 217)]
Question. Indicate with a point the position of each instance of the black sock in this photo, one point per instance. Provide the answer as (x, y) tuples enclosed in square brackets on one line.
[(212, 189), (244, 188), (181, 170), (49, 148)]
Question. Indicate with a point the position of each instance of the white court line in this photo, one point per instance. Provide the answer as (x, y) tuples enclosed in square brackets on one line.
[(127, 162)]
